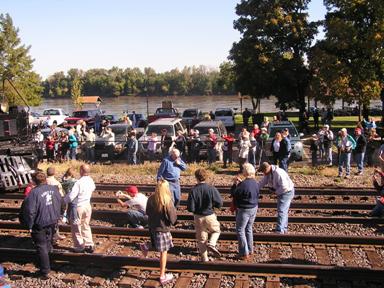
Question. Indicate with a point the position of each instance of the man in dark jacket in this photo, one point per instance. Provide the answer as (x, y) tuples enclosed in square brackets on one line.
[(165, 142), (359, 151), (285, 149), (41, 214), (201, 202)]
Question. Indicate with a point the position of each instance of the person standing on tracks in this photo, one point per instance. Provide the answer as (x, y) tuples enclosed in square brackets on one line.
[(41, 212), (51, 180), (201, 202), (169, 170), (345, 144), (161, 216), (280, 183), (359, 151), (245, 194), (81, 211)]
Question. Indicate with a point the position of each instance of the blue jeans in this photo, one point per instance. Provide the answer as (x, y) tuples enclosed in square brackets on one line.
[(136, 218), (378, 210), (283, 164), (132, 159), (283, 203), (72, 153), (344, 160), (90, 154), (175, 189), (244, 229), (211, 155), (359, 159)]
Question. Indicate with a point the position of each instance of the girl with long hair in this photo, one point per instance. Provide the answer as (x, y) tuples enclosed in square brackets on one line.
[(161, 216)]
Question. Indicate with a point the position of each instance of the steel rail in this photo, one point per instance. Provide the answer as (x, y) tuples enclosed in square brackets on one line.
[(225, 236), (118, 216), (101, 260), (262, 204)]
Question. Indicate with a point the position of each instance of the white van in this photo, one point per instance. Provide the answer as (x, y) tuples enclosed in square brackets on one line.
[(227, 116)]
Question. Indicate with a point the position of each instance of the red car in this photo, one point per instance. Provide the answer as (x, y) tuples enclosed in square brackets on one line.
[(87, 115)]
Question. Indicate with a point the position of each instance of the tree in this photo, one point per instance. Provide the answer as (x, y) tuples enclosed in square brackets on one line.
[(16, 66), (269, 58), (76, 93), (349, 61)]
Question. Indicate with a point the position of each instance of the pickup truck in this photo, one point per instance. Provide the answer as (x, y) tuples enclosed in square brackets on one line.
[(53, 114), (163, 113), (87, 115)]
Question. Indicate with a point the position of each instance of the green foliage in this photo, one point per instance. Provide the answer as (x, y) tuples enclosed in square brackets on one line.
[(16, 66), (76, 93), (349, 62), (132, 81), (269, 58)]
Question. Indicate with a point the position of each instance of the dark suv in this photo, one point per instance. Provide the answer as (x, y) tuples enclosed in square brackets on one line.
[(87, 115)]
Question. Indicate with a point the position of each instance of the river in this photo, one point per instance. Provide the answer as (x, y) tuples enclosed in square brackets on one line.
[(139, 103)]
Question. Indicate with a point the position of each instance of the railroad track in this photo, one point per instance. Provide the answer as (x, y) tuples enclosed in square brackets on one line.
[(112, 251)]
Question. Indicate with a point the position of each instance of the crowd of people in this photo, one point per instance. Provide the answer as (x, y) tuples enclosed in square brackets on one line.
[(49, 201)]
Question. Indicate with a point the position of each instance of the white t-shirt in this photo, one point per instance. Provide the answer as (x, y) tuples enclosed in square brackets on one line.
[(139, 202)]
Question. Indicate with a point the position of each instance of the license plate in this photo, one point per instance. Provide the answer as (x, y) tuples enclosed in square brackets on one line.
[(104, 155)]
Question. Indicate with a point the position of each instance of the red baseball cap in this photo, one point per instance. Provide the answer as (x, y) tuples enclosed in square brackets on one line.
[(132, 190)]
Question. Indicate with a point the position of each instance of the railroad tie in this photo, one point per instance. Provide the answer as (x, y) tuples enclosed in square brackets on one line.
[(129, 279), (347, 254), (71, 278), (153, 280), (322, 255), (213, 281), (374, 258), (272, 282), (297, 252), (275, 254), (96, 282), (184, 280), (103, 248), (241, 281)]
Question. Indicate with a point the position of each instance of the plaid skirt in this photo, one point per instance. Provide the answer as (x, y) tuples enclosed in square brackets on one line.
[(161, 241)]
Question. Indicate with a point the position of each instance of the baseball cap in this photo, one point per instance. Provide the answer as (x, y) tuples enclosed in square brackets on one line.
[(132, 190)]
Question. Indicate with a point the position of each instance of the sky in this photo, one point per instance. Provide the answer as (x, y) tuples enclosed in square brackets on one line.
[(162, 34)]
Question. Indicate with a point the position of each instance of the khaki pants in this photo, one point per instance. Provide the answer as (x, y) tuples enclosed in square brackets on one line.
[(81, 231), (205, 225)]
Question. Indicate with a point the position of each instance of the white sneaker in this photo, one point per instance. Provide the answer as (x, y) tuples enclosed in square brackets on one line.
[(166, 279)]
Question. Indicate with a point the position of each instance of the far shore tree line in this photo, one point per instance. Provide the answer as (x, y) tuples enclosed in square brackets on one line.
[(277, 54)]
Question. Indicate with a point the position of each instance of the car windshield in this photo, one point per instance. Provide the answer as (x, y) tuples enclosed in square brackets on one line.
[(120, 129), (157, 129), (223, 113), (292, 131), (204, 130), (52, 112), (190, 113), (164, 111), (80, 114)]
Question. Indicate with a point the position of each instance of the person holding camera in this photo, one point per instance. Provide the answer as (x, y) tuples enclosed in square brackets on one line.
[(137, 204), (378, 183), (326, 140), (345, 144), (245, 193), (169, 170), (283, 187)]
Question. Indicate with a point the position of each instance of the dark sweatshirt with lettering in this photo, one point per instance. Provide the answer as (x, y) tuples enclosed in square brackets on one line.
[(203, 199), (42, 206)]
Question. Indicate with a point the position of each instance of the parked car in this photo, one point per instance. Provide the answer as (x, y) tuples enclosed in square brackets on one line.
[(164, 112), (35, 119), (192, 116), (54, 114), (102, 151), (140, 118), (113, 119), (218, 128), (172, 125), (87, 115), (297, 149), (227, 116)]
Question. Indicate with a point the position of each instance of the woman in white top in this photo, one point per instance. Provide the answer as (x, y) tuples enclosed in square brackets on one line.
[(275, 147), (244, 146)]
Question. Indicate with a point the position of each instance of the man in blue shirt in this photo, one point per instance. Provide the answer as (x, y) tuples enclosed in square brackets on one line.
[(170, 170)]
